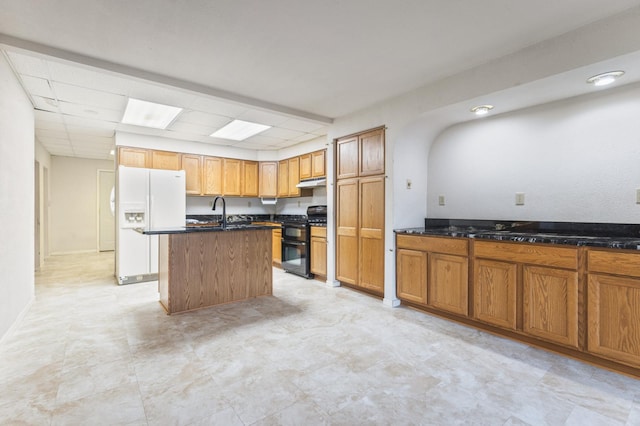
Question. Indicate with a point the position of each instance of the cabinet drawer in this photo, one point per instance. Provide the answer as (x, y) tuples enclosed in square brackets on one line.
[(560, 257), (611, 262), (455, 246), (319, 231)]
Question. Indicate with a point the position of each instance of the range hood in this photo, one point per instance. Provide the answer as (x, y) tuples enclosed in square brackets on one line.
[(312, 183)]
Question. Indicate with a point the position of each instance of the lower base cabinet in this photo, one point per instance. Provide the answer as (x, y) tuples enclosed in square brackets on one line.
[(276, 241), (584, 302), (550, 304), (494, 292), (319, 251), (433, 271)]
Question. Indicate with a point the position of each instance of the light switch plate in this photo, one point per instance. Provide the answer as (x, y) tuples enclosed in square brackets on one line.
[(441, 200), (519, 198), (638, 196), (408, 183)]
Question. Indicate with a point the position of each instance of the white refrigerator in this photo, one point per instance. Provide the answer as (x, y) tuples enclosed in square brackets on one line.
[(145, 198)]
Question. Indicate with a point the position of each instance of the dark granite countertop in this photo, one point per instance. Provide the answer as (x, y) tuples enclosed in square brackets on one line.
[(618, 236), (192, 229)]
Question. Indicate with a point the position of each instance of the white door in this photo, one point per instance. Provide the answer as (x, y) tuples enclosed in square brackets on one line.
[(106, 220)]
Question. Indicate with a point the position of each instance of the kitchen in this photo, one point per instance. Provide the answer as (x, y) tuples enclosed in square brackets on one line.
[(415, 120)]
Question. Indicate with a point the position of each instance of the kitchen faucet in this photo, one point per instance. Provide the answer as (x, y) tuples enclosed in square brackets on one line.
[(224, 210)]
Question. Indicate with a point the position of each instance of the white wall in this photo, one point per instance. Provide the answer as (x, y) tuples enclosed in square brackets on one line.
[(16, 200), (73, 211), (575, 160)]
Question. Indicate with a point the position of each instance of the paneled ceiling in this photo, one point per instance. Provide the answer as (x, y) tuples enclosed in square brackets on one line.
[(291, 64)]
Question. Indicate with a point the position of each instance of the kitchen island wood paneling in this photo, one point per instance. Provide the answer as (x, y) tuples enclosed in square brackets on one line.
[(198, 268)]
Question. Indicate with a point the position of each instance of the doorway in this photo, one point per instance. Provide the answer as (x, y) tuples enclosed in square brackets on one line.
[(36, 193), (106, 220)]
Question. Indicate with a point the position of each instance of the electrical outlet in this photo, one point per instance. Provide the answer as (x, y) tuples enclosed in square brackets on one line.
[(638, 196), (248, 203), (408, 183), (441, 200), (519, 198), (210, 203), (298, 203)]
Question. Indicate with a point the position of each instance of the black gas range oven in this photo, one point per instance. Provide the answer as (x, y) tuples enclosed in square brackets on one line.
[(296, 241)]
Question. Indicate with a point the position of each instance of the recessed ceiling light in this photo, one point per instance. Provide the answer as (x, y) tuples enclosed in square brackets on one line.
[(605, 78), (239, 130), (481, 109), (149, 114)]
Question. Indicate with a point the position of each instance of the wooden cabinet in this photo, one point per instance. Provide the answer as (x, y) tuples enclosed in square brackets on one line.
[(411, 275), (433, 271), (268, 179), (546, 277), (347, 158), (165, 160), (283, 178), (494, 293), (613, 308), (294, 176), (231, 177), (371, 149), (550, 304), (133, 157), (212, 176), (192, 166), (318, 164), (448, 283), (360, 216), (371, 233), (306, 166), (277, 246), (347, 197), (249, 178), (319, 250)]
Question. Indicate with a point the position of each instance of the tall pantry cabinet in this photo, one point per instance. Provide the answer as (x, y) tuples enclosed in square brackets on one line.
[(360, 210)]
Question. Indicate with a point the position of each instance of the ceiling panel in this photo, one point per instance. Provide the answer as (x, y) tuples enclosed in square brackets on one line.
[(87, 111), (203, 118), (263, 117), (45, 104), (194, 129), (29, 65), (83, 77), (218, 107), (49, 125), (88, 122), (50, 133), (91, 131), (92, 140), (80, 95), (37, 86), (302, 126), (277, 132), (263, 139), (46, 116)]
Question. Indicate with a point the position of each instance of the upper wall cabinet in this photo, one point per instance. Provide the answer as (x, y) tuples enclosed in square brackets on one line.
[(165, 160), (134, 157), (192, 166), (212, 176), (361, 155), (318, 164), (249, 178), (231, 177), (305, 166), (268, 179)]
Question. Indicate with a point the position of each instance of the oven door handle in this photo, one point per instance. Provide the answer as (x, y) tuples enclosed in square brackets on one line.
[(294, 243)]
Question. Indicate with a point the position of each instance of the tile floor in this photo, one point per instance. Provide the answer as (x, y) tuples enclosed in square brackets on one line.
[(90, 352)]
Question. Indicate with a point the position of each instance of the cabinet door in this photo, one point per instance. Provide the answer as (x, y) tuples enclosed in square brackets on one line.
[(448, 285), (250, 178), (283, 178), (550, 304), (371, 233), (347, 158), (294, 176), (319, 256), (494, 292), (318, 163), (347, 231), (268, 179), (134, 157), (276, 240), (231, 177), (411, 275), (212, 170), (305, 166), (371, 153), (613, 313), (165, 160), (192, 166)]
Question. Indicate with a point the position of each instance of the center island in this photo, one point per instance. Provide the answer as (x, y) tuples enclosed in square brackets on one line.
[(205, 266)]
